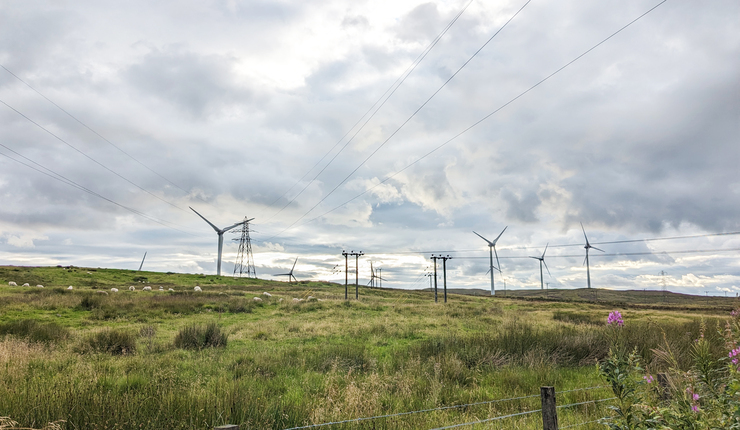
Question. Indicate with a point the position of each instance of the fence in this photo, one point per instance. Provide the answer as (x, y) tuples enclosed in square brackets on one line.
[(549, 411)]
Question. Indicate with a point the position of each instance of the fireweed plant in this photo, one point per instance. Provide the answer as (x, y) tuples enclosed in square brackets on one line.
[(704, 396)]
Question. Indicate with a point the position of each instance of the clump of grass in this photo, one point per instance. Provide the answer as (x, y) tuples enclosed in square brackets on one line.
[(35, 331), (578, 318), (111, 341), (90, 302), (199, 337)]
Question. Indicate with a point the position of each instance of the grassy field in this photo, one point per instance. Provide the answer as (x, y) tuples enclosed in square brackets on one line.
[(136, 359)]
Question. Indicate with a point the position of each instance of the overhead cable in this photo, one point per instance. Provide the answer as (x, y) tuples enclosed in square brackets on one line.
[(475, 124), (384, 98)]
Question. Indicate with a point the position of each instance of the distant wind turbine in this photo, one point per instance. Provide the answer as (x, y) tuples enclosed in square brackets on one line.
[(220, 233), (588, 246), (491, 251), (142, 262), (289, 274), (373, 276), (542, 261)]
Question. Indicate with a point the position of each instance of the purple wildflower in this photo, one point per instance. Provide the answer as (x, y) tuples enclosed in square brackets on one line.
[(615, 317), (648, 378), (695, 408)]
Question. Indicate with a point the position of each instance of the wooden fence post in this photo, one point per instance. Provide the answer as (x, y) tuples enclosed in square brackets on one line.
[(549, 411), (227, 427)]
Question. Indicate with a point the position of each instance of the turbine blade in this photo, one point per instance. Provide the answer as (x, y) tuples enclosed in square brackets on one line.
[(543, 252), (548, 269), (294, 278), (536, 258), (584, 260), (487, 241), (584, 235), (497, 262), (291, 269), (499, 235), (230, 227), (204, 219), (598, 249)]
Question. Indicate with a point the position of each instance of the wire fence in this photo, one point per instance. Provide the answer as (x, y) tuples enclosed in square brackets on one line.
[(465, 405)]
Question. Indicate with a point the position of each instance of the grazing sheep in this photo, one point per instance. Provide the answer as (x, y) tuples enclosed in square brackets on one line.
[(161, 288), (26, 285), (70, 288), (12, 284), (266, 294), (147, 288), (39, 286), (257, 299), (114, 290), (311, 298), (103, 292), (131, 288), (197, 288), (170, 289), (297, 300)]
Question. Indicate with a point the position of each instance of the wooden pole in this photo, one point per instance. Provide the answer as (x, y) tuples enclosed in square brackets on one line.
[(549, 411)]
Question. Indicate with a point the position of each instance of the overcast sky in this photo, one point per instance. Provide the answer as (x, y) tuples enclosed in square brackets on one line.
[(237, 107)]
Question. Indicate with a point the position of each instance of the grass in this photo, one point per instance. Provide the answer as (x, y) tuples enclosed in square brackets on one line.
[(143, 359)]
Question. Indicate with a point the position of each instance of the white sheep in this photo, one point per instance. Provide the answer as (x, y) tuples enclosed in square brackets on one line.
[(310, 298), (266, 294), (297, 299), (147, 288), (12, 284), (103, 292), (161, 288), (70, 288), (197, 289), (132, 288), (26, 285), (114, 290), (257, 299), (170, 289), (280, 299), (39, 286)]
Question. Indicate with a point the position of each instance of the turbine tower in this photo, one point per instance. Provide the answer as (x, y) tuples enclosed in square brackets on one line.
[(289, 274), (220, 233), (588, 246), (542, 261), (491, 251)]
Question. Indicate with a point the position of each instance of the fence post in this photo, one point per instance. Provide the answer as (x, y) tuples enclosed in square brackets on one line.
[(549, 411), (227, 427), (663, 387)]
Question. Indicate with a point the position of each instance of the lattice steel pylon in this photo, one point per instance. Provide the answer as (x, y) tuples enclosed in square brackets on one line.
[(245, 253)]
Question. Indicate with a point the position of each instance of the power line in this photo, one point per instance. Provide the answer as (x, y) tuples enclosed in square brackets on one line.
[(389, 92), (619, 254), (389, 177), (98, 134), (89, 157), (408, 119), (61, 178)]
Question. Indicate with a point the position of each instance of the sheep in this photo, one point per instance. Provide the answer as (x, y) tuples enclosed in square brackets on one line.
[(257, 299), (114, 290), (266, 294), (280, 299), (311, 298), (70, 288), (132, 288), (161, 288), (197, 289), (12, 284), (147, 288), (39, 286), (297, 299), (170, 289), (26, 285), (102, 292)]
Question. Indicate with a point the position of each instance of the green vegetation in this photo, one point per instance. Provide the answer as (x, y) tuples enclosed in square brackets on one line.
[(160, 359)]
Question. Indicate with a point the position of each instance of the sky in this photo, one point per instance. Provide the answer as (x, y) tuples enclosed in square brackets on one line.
[(395, 128)]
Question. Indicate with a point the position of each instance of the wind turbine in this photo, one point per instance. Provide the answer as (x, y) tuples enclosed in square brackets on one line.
[(542, 261), (289, 274), (373, 276), (220, 233), (491, 251), (588, 246)]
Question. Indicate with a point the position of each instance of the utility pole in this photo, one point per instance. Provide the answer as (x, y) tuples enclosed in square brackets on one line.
[(345, 274), (435, 277), (662, 274), (444, 274)]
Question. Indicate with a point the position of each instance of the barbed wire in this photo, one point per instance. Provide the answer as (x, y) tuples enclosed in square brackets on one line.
[(582, 424), (500, 417), (353, 420), (582, 389), (583, 403)]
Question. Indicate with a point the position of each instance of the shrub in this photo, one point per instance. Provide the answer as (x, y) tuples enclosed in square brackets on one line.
[(201, 336), (34, 331), (111, 341), (90, 302)]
